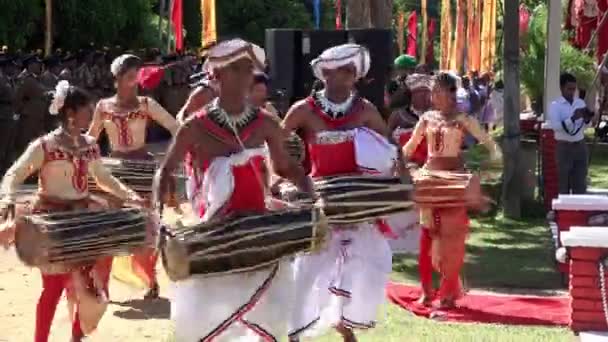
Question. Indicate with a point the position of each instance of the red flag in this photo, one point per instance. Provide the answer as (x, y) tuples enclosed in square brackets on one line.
[(177, 15), (412, 34), (524, 20), (430, 50), (149, 77), (338, 15)]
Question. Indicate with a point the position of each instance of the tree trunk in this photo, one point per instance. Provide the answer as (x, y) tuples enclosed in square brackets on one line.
[(381, 13), (48, 34), (511, 186), (358, 14)]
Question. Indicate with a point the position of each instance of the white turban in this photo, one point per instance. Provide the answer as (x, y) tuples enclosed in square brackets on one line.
[(117, 64), (230, 51), (418, 81), (342, 55), (61, 92)]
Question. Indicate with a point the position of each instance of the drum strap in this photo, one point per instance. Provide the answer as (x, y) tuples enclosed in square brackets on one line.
[(239, 315)]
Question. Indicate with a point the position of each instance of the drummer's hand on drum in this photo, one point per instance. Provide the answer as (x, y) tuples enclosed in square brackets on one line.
[(138, 201)]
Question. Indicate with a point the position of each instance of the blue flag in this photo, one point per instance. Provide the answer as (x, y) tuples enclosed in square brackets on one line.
[(317, 13)]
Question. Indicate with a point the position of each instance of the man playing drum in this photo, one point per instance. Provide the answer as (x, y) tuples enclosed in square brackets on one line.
[(345, 134), (64, 159), (125, 118), (230, 142)]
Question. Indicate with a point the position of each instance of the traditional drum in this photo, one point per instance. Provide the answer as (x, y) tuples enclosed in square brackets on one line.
[(136, 174), (80, 236), (240, 244), (443, 189), (354, 199)]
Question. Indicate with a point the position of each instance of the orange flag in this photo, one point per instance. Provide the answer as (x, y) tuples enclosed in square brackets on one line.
[(423, 45), (400, 31), (209, 34), (474, 35), (446, 34), (488, 36), (457, 53)]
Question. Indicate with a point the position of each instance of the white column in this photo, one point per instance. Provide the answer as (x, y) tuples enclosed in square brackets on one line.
[(552, 60)]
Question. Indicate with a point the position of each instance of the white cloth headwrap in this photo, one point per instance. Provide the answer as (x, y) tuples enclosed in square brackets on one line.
[(417, 81), (230, 51), (118, 61), (61, 91), (342, 55)]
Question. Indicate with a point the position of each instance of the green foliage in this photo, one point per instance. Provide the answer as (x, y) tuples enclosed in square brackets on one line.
[(108, 22), (249, 19), (193, 22), (20, 20), (581, 65), (532, 67)]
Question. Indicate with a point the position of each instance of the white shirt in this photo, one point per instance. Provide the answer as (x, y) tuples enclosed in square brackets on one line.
[(560, 114)]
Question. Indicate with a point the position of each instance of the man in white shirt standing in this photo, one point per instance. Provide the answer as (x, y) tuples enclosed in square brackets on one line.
[(569, 117)]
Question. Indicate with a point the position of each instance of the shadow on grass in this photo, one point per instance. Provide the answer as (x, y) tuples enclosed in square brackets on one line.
[(501, 253)]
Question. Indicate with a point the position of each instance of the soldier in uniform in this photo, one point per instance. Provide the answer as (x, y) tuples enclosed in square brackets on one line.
[(69, 65), (84, 74), (8, 120), (52, 68), (30, 103)]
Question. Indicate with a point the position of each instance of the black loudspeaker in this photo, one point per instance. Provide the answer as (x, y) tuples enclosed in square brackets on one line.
[(380, 45), (284, 54), (313, 44), (291, 51)]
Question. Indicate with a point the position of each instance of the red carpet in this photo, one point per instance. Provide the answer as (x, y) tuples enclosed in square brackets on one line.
[(483, 307)]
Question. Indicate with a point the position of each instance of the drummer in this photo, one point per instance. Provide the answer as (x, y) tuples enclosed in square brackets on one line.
[(230, 142), (64, 160), (125, 117), (345, 134)]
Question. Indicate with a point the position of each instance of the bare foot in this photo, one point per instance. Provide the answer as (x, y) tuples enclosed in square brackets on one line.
[(447, 303), (152, 293), (425, 300), (347, 334)]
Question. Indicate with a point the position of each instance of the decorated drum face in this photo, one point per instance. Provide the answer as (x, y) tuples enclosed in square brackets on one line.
[(354, 199), (80, 236), (241, 244)]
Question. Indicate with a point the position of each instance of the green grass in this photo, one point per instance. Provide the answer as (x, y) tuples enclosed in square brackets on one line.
[(500, 254), (398, 325), (598, 171)]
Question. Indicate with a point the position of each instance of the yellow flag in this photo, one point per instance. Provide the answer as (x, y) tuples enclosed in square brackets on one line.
[(488, 36), (446, 34), (456, 55), (209, 35), (425, 35)]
